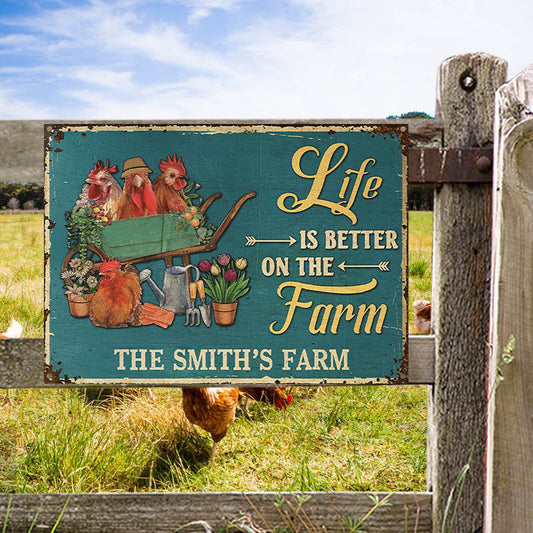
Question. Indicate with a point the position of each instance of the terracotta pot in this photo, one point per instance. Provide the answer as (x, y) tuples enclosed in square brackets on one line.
[(225, 313), (79, 306)]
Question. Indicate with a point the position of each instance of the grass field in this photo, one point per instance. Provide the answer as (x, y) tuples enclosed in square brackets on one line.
[(348, 438), (420, 258), (22, 272)]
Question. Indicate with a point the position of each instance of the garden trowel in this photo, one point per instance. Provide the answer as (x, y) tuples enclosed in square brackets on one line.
[(205, 309)]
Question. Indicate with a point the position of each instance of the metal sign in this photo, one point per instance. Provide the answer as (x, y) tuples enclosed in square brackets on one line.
[(210, 254)]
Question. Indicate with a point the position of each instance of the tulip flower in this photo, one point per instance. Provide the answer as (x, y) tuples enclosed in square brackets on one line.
[(241, 263), (223, 259), (204, 266), (230, 275), (215, 270)]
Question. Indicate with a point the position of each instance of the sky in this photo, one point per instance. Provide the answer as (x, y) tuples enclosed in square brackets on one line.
[(247, 59)]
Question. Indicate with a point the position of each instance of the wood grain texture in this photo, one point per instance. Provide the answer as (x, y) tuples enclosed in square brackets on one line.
[(22, 154), (22, 362), (468, 116), (165, 513), (461, 294), (421, 359), (510, 427)]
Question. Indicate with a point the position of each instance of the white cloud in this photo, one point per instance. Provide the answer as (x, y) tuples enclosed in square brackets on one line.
[(12, 106), (19, 41), (327, 59), (200, 9), (349, 58), (106, 30), (103, 77)]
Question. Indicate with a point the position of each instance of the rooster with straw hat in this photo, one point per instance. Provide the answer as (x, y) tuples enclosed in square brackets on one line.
[(134, 165), (138, 199)]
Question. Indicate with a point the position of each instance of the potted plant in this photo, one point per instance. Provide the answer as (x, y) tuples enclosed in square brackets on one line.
[(81, 284), (225, 281)]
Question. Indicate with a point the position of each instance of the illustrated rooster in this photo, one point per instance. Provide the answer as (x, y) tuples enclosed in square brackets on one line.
[(117, 302), (138, 198), (168, 187), (213, 409), (14, 331), (104, 189), (273, 395), (422, 309)]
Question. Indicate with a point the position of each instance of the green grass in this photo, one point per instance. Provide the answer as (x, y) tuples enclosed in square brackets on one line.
[(347, 438), (420, 258), (353, 438), (22, 272)]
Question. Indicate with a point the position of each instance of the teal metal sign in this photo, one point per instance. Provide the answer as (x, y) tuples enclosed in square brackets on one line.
[(213, 254)]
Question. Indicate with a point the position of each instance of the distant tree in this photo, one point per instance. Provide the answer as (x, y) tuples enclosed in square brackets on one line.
[(420, 197), (28, 204), (13, 203), (23, 192), (412, 114)]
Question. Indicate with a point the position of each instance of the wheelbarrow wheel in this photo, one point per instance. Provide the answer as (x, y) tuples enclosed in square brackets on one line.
[(93, 254)]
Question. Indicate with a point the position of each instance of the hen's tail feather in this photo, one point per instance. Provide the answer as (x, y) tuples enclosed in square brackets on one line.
[(136, 315)]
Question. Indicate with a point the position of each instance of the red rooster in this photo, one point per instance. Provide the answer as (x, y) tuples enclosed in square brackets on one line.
[(168, 187), (138, 198), (213, 409), (117, 302), (272, 395), (104, 189)]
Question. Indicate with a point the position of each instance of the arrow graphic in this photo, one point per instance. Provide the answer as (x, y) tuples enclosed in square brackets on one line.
[(383, 266), (251, 240)]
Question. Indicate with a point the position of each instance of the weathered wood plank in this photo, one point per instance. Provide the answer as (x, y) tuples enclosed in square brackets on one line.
[(461, 288), (22, 154), (510, 425), (22, 362), (22, 141), (466, 85), (421, 359), (165, 513)]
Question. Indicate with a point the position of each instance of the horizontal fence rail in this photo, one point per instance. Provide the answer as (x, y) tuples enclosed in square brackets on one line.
[(429, 162), (22, 363), (211, 512), (22, 141)]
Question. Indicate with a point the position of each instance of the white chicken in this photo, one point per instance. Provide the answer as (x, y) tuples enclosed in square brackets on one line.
[(104, 189), (14, 331)]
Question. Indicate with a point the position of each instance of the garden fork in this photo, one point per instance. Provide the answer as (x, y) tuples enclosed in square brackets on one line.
[(192, 315)]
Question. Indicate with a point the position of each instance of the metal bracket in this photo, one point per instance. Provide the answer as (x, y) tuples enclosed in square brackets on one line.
[(428, 165)]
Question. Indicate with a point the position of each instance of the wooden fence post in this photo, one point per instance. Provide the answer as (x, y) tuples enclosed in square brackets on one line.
[(509, 496), (466, 86)]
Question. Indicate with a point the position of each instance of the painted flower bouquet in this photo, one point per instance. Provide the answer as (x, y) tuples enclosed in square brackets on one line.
[(225, 282), (81, 284)]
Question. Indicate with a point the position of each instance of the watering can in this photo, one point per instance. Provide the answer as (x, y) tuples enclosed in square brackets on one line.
[(175, 294)]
